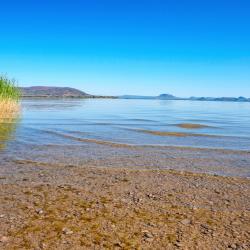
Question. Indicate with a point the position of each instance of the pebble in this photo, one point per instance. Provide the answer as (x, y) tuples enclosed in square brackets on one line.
[(151, 224), (147, 234), (70, 166), (236, 223), (244, 246), (204, 226), (39, 211), (178, 244), (67, 231), (149, 239), (4, 239), (186, 222), (43, 245), (233, 246), (118, 244), (2, 215)]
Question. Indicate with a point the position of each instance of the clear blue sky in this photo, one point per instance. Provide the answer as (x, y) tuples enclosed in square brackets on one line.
[(147, 47)]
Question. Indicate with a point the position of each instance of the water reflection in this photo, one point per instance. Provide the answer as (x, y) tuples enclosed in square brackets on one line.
[(9, 119), (52, 104)]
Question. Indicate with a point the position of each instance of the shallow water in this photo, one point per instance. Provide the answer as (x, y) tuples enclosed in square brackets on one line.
[(127, 121), (102, 132)]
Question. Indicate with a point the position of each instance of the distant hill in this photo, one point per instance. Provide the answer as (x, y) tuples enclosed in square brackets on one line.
[(161, 97), (43, 91), (136, 97), (221, 99), (66, 92), (167, 97), (56, 92), (171, 97)]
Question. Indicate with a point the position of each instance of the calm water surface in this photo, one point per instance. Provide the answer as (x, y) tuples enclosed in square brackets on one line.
[(46, 122), (96, 132)]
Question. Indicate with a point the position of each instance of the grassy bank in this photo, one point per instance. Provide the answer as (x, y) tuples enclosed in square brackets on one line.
[(9, 97)]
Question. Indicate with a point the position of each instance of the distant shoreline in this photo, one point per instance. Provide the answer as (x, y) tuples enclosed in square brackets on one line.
[(69, 97), (44, 92), (120, 98)]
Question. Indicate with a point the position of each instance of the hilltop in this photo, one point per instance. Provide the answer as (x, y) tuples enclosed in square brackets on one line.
[(43, 91), (56, 92)]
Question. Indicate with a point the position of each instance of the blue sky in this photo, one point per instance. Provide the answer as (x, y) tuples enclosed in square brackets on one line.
[(113, 47)]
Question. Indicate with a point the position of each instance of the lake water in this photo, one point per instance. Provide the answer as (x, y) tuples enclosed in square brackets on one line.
[(44, 122), (129, 133)]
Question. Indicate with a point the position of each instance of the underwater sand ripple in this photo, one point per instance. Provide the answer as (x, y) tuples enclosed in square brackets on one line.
[(192, 126), (87, 140), (175, 134)]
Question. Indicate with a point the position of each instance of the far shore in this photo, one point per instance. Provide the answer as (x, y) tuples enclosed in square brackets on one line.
[(122, 98), (69, 97), (68, 92)]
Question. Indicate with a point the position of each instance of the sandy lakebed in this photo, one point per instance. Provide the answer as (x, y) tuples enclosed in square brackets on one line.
[(122, 202)]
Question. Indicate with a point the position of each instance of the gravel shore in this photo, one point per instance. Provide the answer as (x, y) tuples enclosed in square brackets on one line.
[(50, 206)]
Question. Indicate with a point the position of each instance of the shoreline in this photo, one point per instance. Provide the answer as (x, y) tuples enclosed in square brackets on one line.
[(45, 97), (74, 207), (88, 152), (71, 207)]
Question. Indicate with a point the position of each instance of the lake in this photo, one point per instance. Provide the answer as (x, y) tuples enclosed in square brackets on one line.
[(122, 120), (77, 130)]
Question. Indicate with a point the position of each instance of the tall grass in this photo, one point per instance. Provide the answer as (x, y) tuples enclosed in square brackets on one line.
[(8, 89), (9, 96), (9, 108)]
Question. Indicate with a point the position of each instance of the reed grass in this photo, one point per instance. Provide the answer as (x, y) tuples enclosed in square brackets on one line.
[(9, 96), (9, 89), (9, 108)]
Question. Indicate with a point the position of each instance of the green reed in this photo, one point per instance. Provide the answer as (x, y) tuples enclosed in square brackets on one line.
[(9, 109), (8, 89)]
